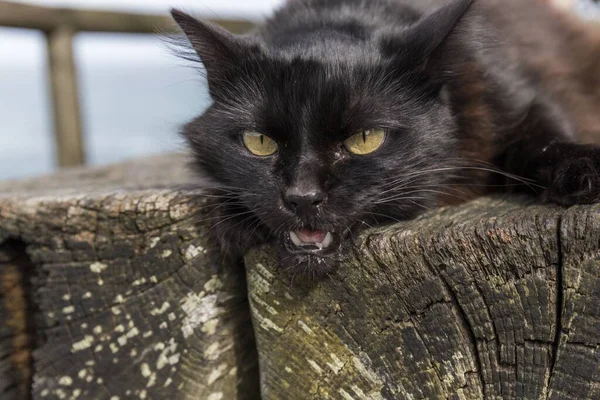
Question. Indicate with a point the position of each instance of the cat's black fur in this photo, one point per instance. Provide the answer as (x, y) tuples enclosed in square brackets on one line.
[(462, 88)]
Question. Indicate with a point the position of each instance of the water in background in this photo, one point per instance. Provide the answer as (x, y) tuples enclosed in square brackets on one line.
[(25, 142), (134, 97)]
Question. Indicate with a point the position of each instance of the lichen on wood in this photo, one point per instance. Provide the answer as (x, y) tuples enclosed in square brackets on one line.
[(495, 299), (126, 300)]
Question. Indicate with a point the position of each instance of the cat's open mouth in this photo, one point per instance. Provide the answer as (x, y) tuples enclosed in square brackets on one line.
[(309, 241), (311, 251)]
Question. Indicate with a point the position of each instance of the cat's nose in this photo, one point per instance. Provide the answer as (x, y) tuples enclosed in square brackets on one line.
[(304, 202)]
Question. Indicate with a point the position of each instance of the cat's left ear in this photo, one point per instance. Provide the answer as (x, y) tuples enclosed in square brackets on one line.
[(420, 40), (218, 49)]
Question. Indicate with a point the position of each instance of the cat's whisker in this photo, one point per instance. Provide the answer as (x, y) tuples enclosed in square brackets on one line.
[(468, 164), (254, 215), (416, 174), (402, 196), (218, 219), (207, 211), (215, 207), (386, 216), (429, 208), (221, 196), (223, 188), (448, 186), (257, 225), (229, 218)]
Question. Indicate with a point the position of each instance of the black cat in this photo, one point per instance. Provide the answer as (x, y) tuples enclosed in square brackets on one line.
[(340, 114)]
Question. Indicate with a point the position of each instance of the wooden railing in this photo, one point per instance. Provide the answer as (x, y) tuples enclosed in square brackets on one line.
[(60, 25)]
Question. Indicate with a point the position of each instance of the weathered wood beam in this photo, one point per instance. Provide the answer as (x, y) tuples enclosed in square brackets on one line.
[(498, 298), (19, 15), (125, 299)]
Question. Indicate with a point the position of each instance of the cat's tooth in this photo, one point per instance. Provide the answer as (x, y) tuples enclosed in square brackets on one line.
[(327, 242), (295, 239)]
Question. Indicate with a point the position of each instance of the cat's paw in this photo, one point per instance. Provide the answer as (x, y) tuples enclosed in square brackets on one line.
[(575, 181)]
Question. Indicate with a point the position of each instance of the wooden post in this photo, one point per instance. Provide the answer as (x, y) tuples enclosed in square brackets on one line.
[(65, 97), (123, 297), (495, 299)]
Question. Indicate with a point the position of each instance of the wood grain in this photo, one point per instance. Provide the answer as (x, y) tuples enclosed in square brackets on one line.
[(495, 299), (126, 301)]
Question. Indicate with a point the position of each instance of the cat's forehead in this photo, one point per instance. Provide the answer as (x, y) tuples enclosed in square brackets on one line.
[(318, 92), (305, 94), (330, 52), (306, 79), (320, 109), (320, 100)]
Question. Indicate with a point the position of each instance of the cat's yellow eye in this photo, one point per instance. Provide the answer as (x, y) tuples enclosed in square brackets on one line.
[(259, 144), (365, 142)]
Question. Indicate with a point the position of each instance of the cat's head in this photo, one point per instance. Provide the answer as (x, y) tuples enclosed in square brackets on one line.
[(315, 135)]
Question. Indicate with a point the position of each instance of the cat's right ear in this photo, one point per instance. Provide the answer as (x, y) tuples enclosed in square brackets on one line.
[(416, 44), (218, 49)]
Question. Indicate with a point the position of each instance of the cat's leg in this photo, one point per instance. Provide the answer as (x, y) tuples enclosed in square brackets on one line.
[(571, 173), (546, 152)]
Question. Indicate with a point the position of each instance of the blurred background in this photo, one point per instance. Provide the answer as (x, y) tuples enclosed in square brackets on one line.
[(131, 92)]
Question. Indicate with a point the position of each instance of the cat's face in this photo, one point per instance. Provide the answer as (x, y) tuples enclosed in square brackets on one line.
[(319, 152), (313, 148)]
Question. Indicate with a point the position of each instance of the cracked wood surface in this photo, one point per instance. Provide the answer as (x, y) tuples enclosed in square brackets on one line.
[(125, 302), (495, 299)]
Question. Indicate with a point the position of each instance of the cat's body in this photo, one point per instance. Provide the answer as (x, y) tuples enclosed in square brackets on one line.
[(442, 93)]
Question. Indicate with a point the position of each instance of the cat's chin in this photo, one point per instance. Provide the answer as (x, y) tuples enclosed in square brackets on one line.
[(307, 265), (311, 260)]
